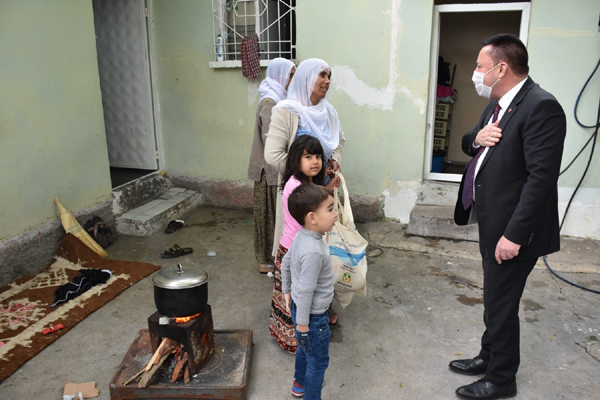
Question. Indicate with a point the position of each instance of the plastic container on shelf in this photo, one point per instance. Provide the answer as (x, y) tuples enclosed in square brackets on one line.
[(437, 163), (220, 48)]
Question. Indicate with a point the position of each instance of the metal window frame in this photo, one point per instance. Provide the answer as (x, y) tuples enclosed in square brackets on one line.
[(221, 24)]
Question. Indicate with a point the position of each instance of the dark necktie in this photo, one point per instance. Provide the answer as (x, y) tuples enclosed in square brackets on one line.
[(467, 195)]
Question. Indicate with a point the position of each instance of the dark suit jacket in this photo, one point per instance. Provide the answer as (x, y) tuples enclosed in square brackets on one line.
[(516, 186)]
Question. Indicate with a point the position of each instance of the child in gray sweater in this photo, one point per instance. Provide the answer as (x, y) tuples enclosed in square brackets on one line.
[(307, 285)]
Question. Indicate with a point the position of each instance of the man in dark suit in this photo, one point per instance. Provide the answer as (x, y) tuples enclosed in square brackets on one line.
[(510, 189)]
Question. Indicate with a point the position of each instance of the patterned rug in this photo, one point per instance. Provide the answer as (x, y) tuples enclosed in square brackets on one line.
[(25, 305)]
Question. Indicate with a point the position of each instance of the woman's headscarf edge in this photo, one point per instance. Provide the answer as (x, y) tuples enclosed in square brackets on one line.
[(320, 120), (278, 74)]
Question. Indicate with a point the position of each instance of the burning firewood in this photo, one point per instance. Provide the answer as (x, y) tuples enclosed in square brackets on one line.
[(166, 347), (147, 375), (179, 368), (134, 377), (164, 350), (186, 374)]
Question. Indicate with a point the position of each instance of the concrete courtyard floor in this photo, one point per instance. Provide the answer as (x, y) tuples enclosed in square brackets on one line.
[(423, 309)]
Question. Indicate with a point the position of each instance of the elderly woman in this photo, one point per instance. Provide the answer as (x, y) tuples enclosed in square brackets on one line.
[(273, 89), (305, 112)]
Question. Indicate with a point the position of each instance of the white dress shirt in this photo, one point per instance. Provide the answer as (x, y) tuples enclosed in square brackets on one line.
[(504, 103)]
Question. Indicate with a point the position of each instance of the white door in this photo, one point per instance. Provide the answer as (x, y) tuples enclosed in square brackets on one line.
[(123, 63), (524, 8)]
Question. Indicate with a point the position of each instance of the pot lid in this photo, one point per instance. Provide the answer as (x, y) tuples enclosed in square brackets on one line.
[(180, 277)]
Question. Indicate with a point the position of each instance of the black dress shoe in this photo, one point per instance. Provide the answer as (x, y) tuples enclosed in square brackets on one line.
[(484, 390), (470, 366)]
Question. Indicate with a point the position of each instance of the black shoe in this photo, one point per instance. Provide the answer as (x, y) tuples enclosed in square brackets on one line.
[(484, 390), (470, 366)]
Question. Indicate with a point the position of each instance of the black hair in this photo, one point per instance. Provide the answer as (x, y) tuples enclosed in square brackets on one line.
[(305, 199), (312, 146), (508, 48)]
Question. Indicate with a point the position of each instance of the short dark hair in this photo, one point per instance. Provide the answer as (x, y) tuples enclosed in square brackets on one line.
[(312, 146), (305, 199), (508, 48)]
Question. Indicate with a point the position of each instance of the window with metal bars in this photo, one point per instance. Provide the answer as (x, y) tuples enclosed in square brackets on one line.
[(274, 21)]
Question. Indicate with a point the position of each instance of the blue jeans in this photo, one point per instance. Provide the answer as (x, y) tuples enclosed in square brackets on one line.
[(312, 355)]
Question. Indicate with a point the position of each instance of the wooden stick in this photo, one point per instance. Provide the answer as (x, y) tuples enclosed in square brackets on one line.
[(166, 346), (147, 375), (134, 377), (179, 368), (186, 374)]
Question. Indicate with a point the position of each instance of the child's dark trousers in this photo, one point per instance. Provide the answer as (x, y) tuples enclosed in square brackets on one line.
[(312, 355)]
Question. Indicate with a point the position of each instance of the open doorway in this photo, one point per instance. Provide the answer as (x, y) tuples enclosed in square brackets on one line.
[(124, 66), (455, 107)]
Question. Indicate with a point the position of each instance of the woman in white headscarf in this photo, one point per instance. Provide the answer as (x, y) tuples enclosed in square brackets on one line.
[(305, 112), (273, 89)]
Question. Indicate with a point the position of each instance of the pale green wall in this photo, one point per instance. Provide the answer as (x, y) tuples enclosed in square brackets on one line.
[(381, 145), (52, 140), (52, 135), (564, 47), (207, 118)]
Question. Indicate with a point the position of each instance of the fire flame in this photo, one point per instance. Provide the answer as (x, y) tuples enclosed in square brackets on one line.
[(181, 320)]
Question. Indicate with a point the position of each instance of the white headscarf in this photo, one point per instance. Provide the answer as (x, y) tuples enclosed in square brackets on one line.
[(320, 120), (278, 74)]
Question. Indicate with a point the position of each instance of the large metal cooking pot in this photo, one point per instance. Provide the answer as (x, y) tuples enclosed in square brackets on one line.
[(180, 291)]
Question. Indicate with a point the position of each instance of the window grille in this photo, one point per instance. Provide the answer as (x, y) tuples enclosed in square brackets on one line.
[(273, 20)]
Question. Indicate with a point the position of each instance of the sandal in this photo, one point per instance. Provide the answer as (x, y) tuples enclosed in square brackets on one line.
[(174, 226), (176, 251), (265, 268)]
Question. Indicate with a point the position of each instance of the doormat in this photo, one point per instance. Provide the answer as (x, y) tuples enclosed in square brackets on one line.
[(25, 305)]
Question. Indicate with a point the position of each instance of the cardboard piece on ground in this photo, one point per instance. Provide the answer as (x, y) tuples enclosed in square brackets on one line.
[(87, 389)]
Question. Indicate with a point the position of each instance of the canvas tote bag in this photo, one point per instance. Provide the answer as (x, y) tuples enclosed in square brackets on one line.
[(348, 251)]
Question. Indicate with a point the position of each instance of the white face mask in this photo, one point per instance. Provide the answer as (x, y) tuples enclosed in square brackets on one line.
[(482, 90)]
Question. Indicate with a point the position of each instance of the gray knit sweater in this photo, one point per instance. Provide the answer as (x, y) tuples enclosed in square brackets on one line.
[(306, 273)]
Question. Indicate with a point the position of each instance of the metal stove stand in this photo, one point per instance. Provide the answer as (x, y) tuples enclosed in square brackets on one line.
[(224, 377)]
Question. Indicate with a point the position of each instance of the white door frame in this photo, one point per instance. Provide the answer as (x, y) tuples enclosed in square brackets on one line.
[(154, 85), (525, 9), (145, 124)]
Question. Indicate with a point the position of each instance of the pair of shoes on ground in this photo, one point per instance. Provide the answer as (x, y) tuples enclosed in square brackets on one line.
[(481, 389), (99, 231), (176, 251), (265, 268)]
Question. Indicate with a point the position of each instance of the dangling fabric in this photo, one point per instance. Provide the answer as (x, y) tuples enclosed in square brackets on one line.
[(278, 75), (320, 120), (250, 57)]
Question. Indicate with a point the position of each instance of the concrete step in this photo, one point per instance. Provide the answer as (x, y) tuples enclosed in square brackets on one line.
[(438, 222), (156, 214), (133, 194)]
